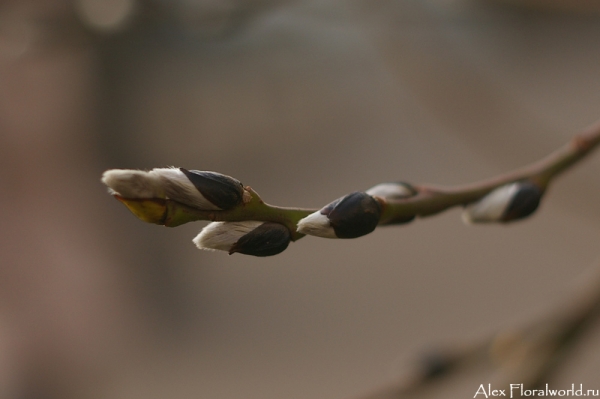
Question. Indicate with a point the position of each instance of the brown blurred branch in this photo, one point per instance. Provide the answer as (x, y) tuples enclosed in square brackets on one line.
[(530, 354)]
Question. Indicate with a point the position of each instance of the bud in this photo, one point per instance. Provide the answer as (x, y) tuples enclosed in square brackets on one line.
[(352, 216), (223, 191), (504, 204), (202, 190), (248, 237), (396, 190)]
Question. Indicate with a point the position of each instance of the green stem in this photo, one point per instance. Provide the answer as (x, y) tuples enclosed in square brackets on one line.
[(255, 209)]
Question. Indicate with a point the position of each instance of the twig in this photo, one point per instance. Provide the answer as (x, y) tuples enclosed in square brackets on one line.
[(433, 199), (171, 197)]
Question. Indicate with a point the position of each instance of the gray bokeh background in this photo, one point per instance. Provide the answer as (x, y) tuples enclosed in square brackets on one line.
[(304, 101)]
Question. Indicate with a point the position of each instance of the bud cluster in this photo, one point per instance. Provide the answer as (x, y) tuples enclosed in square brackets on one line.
[(146, 194)]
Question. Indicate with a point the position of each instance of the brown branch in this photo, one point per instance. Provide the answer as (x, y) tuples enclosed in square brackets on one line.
[(434, 199), (530, 354)]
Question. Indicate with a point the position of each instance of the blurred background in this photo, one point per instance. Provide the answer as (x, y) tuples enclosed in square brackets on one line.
[(305, 101)]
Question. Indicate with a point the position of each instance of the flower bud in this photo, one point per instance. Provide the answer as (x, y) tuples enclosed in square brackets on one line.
[(223, 191), (352, 216), (248, 237), (202, 190), (396, 190), (504, 204)]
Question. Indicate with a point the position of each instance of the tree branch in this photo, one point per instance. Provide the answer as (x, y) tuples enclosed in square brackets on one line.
[(172, 197)]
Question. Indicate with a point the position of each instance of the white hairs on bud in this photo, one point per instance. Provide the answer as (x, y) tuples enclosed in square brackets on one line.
[(132, 183), (178, 187), (316, 224), (223, 235), (391, 191), (492, 207), (158, 183)]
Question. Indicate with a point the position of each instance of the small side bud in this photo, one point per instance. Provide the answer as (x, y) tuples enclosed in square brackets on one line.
[(396, 190), (352, 216), (268, 239), (248, 238), (504, 204)]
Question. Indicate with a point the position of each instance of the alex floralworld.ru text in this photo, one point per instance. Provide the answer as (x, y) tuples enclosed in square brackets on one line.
[(518, 390)]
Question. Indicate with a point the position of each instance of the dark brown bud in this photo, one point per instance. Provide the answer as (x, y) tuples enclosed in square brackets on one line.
[(222, 191), (354, 215), (268, 239)]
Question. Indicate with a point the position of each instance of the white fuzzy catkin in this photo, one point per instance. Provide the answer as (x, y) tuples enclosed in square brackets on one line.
[(158, 183), (223, 235), (316, 224), (492, 207), (133, 183)]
